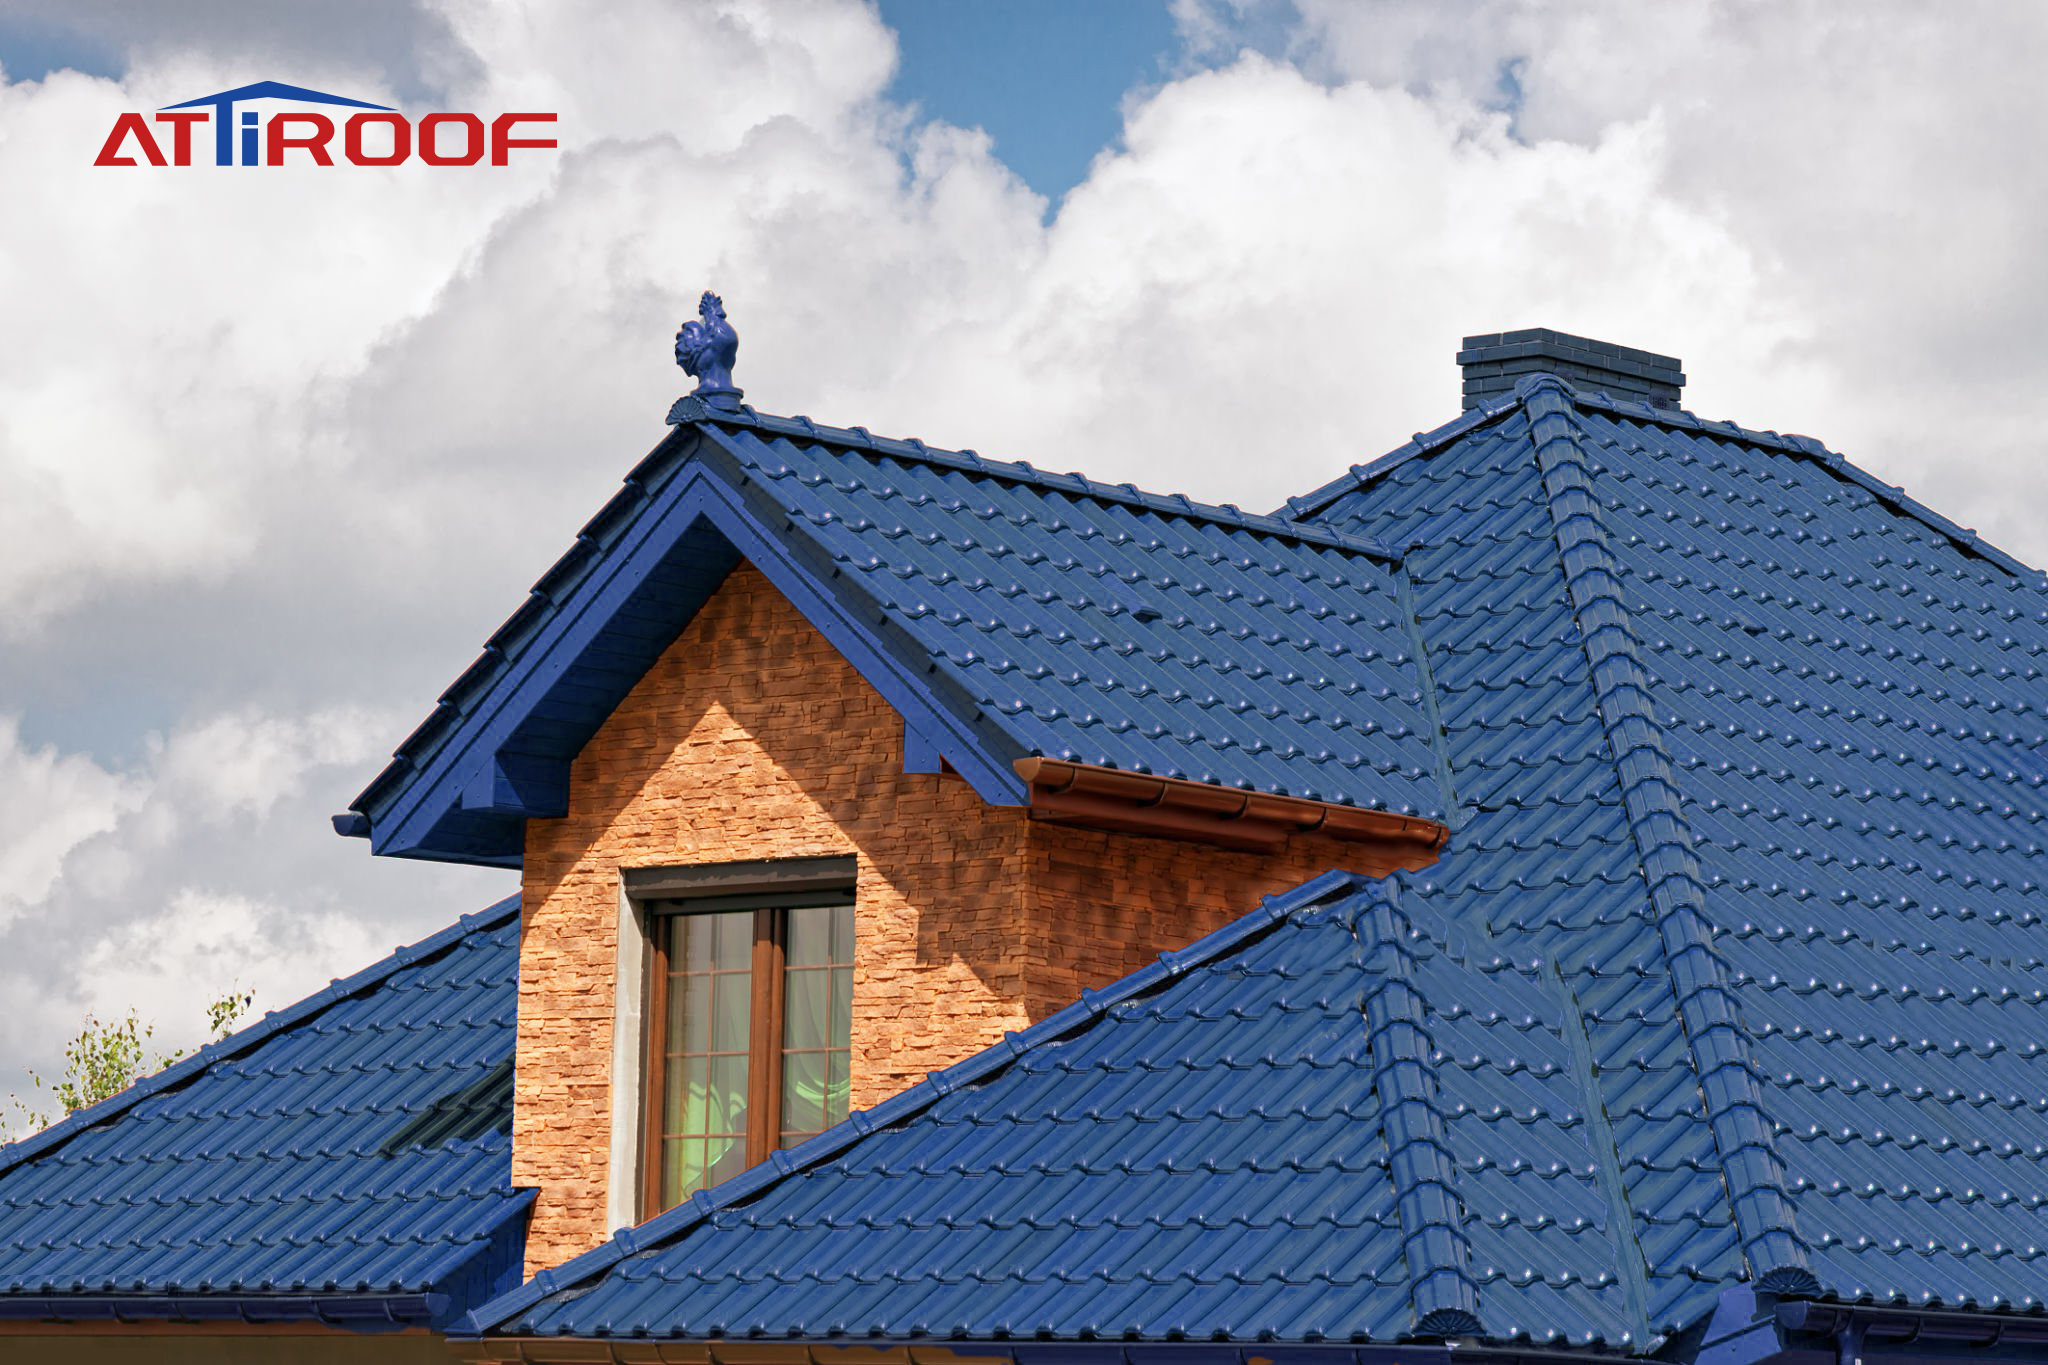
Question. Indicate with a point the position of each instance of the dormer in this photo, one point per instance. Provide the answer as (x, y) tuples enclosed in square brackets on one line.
[(820, 755)]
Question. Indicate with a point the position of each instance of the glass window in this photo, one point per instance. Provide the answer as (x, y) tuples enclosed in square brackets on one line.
[(755, 998), (817, 1020), (707, 1049)]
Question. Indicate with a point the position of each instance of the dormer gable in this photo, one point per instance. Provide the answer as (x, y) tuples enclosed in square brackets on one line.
[(1006, 613)]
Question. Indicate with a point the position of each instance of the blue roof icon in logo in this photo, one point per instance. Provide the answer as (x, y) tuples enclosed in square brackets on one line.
[(275, 90), (224, 102)]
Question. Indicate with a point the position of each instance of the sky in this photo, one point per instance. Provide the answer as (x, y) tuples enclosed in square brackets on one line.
[(278, 450)]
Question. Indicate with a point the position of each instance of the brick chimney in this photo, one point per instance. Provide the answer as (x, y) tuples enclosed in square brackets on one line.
[(1495, 362)]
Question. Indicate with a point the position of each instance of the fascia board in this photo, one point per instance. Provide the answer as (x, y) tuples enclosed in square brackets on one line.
[(700, 494)]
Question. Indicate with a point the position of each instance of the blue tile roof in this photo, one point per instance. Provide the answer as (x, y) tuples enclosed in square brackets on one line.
[(1731, 973), (1248, 1139), (1006, 611), (347, 1158), (1812, 831)]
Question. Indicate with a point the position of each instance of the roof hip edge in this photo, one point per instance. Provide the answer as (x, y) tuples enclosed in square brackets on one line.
[(277, 1021), (1809, 449), (1763, 1210), (1442, 1292)]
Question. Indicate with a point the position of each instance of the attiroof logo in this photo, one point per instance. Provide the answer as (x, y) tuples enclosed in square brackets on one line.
[(380, 137)]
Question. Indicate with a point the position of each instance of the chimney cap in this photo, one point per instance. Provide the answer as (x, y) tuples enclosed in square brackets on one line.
[(1494, 362)]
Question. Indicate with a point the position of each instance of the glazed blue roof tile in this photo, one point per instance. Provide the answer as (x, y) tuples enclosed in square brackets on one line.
[(1241, 1141), (1843, 694), (1274, 663), (1007, 612), (355, 1145), (1731, 972)]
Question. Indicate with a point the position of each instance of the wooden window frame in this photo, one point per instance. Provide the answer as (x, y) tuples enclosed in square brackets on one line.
[(769, 889)]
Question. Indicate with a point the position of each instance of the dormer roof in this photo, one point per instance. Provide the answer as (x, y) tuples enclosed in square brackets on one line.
[(1006, 612)]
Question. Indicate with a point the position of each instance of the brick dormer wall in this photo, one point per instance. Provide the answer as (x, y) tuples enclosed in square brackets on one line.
[(751, 738)]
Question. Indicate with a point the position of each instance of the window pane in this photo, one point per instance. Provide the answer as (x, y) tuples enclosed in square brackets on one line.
[(842, 934), (806, 1009), (705, 1050), (682, 1169), (810, 937), (735, 931), (817, 1020), (689, 1096), (689, 1011), (733, 1012), (728, 1096), (842, 1008), (803, 1093), (839, 1090), (690, 939)]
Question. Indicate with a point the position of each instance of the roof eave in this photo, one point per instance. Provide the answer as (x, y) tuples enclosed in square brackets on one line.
[(1227, 817), (350, 1312), (1771, 1342)]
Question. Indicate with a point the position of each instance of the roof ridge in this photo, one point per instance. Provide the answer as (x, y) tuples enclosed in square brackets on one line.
[(1681, 419), (1421, 443), (1810, 448), (1170, 965), (242, 1040), (1017, 471), (1764, 1212)]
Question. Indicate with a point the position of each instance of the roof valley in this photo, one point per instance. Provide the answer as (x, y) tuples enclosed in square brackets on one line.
[(1752, 1169), (1629, 1261)]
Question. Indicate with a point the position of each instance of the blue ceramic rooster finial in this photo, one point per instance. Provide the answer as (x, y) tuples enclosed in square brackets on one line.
[(706, 349)]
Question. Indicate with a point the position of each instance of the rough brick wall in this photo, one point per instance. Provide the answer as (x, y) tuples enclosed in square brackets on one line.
[(1103, 905), (752, 738)]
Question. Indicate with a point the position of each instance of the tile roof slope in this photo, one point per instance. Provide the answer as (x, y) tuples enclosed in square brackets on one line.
[(1120, 629), (1544, 858), (1840, 722), (1054, 615), (1250, 1139), (357, 1143)]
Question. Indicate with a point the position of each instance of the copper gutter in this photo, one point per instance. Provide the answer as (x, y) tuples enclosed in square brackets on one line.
[(1202, 812)]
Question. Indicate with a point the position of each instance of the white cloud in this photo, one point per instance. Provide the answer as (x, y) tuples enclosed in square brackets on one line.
[(50, 804), (278, 449), (242, 765), (203, 867), (1268, 285), (203, 945), (169, 333), (1879, 164)]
